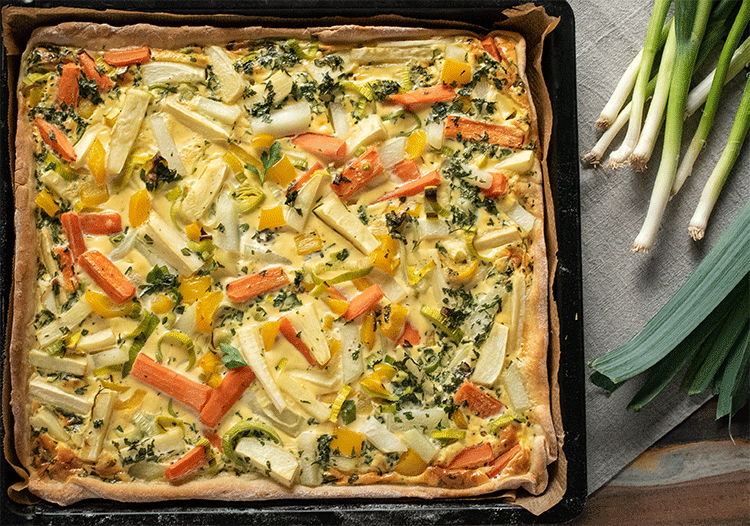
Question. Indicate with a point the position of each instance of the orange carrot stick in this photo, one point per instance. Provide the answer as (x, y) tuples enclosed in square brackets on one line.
[(489, 46), (363, 302), (253, 285), (71, 224), (467, 129), (55, 139), (498, 187), (410, 336), (224, 397), (127, 57), (480, 403), (290, 333), (472, 457), (170, 382), (213, 438), (413, 187), (67, 86), (498, 465), (66, 266), (320, 144), (360, 172), (336, 293), (435, 93), (92, 73), (192, 460), (302, 179), (101, 223), (407, 170), (107, 275)]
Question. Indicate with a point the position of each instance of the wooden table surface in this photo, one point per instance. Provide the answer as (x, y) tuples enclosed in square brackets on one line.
[(695, 474)]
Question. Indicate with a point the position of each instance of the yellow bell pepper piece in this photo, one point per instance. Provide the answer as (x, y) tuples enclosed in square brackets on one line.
[(244, 157), (193, 231), (106, 307), (162, 304), (372, 384), (467, 272), (386, 256), (361, 283), (194, 287), (204, 312), (96, 162), (384, 370), (334, 346), (208, 362), (46, 202), (337, 306), (93, 195), (234, 164), (283, 171), (140, 208), (392, 320), (262, 140), (271, 218), (308, 243), (367, 331), (348, 443), (410, 464), (416, 143), (214, 380), (455, 72), (269, 331)]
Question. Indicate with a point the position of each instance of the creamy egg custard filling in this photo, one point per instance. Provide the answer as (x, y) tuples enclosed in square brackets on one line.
[(297, 266)]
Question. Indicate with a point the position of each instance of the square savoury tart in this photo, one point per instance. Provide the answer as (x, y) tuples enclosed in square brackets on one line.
[(296, 263)]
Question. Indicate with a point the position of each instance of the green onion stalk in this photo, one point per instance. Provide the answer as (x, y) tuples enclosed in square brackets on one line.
[(650, 47), (655, 116), (718, 177), (691, 19), (714, 96)]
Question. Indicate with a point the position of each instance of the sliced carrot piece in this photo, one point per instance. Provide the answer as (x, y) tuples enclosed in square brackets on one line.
[(410, 336), (127, 57), (213, 438), (468, 129), (92, 73), (103, 223), (363, 302), (407, 170), (302, 179), (360, 172), (170, 382), (106, 274), (226, 395), (472, 457), (253, 285), (498, 465), (189, 462), (67, 86), (498, 187), (66, 266), (336, 293), (435, 93), (489, 46), (71, 224), (55, 139), (290, 333), (413, 187), (480, 403), (321, 144)]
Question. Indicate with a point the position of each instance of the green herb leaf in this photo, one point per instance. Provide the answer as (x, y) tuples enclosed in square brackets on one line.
[(232, 357)]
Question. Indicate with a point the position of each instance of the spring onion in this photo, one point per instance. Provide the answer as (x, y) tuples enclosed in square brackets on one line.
[(719, 175), (714, 96), (690, 25), (650, 47)]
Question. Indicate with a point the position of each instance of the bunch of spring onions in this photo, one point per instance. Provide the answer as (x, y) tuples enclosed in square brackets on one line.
[(704, 328), (683, 44)]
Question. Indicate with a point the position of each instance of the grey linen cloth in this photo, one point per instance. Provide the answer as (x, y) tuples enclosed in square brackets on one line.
[(622, 290)]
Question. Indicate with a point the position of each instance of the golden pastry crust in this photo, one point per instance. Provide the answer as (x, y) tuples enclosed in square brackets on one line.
[(435, 481)]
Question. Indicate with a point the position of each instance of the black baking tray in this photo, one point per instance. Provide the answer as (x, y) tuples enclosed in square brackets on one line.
[(560, 74)]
